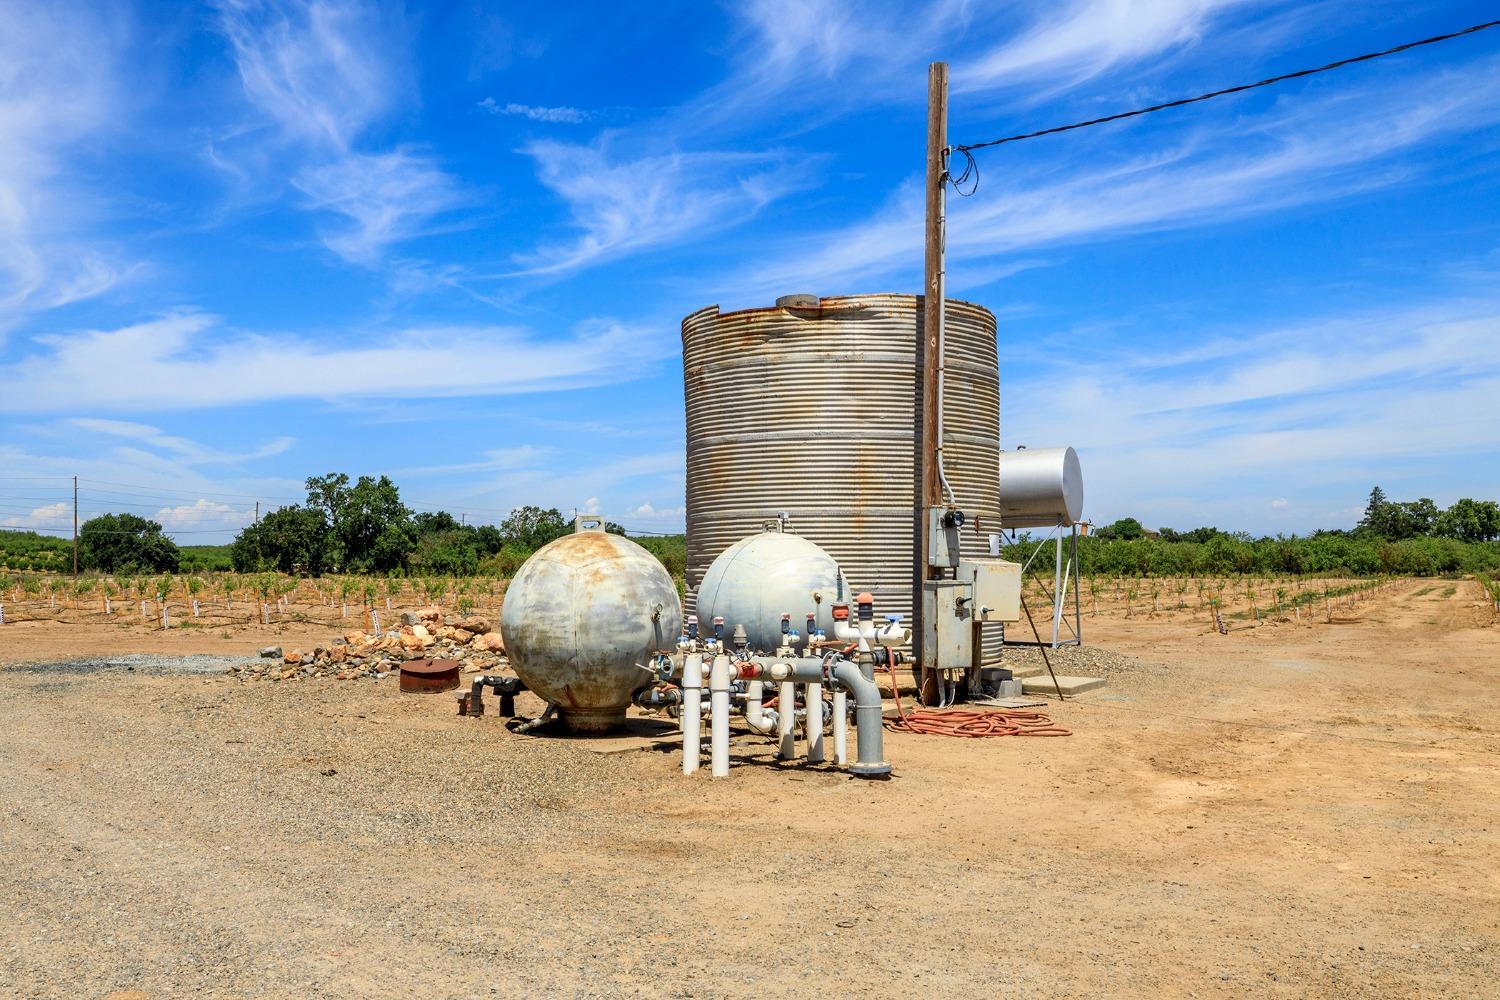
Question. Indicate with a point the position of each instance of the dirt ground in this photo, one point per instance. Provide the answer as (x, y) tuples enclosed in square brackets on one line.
[(1296, 809)]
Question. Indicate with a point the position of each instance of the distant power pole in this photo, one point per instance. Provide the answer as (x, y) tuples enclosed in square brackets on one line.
[(257, 512), (75, 525)]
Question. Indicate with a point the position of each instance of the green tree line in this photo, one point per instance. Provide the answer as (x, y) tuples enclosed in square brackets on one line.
[(363, 527), (1413, 538)]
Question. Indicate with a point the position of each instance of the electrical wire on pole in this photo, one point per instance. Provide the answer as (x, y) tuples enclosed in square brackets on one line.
[(970, 174)]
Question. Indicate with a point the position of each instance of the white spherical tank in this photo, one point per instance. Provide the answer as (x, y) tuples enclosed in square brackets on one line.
[(1040, 487), (758, 579), (579, 616)]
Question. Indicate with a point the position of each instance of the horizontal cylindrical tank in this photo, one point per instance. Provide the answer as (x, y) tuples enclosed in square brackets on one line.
[(1040, 487), (580, 618), (811, 409), (759, 578)]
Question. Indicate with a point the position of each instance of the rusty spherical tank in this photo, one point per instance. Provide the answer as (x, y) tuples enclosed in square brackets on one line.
[(579, 617), (758, 579), (811, 409)]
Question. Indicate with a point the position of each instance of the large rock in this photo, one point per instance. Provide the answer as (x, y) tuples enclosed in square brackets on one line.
[(412, 642), (292, 656), (488, 642), (475, 625)]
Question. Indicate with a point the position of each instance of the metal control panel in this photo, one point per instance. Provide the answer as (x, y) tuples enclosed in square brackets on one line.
[(996, 587), (948, 624), (943, 524)]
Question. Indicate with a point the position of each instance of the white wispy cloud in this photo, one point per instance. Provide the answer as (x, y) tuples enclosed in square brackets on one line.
[(652, 512), (48, 517), (1308, 407), (626, 204), (385, 198), (321, 73), (563, 484), (1081, 39), (322, 70), (1300, 152), (59, 85), (626, 196), (489, 460), (204, 515), (819, 56), (553, 115), (183, 362), (181, 449)]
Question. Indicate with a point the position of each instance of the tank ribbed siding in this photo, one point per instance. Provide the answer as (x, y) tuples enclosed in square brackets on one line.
[(813, 412)]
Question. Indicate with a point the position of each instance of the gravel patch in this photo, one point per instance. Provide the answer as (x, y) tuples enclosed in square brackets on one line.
[(138, 663), (1087, 661)]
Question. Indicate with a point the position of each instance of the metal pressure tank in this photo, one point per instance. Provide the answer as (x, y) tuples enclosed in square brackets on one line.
[(759, 578), (811, 408), (1040, 487), (579, 617)]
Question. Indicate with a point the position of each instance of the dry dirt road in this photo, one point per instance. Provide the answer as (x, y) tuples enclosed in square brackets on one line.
[(1292, 810)]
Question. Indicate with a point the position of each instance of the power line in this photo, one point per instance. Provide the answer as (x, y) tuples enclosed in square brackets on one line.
[(972, 169), (156, 491), (165, 531)]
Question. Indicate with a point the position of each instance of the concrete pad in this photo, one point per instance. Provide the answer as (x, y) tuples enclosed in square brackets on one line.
[(1010, 702), (1069, 685), (1023, 672)]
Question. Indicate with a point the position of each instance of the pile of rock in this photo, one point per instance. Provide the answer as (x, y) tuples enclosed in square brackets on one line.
[(426, 633)]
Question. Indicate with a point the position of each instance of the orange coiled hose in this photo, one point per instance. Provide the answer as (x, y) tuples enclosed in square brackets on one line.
[(969, 725)]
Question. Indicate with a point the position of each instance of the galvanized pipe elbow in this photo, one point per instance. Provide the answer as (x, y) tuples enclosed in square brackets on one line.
[(869, 755)]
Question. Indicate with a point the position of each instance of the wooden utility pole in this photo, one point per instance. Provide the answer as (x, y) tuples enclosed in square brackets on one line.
[(75, 525), (929, 489)]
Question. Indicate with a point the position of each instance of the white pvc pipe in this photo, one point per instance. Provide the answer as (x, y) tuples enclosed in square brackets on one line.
[(815, 723), (692, 708), (840, 724), (889, 634), (757, 716), (718, 692), (786, 709)]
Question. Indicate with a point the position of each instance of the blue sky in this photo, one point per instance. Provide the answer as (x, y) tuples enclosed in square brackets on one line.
[(247, 243)]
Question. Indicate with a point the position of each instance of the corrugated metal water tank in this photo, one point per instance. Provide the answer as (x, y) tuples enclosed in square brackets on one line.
[(811, 409)]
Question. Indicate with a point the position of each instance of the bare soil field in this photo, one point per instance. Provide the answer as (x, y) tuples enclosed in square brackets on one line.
[(1296, 808)]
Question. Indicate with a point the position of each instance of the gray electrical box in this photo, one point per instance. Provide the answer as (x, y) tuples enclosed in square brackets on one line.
[(943, 526), (997, 588), (947, 624)]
